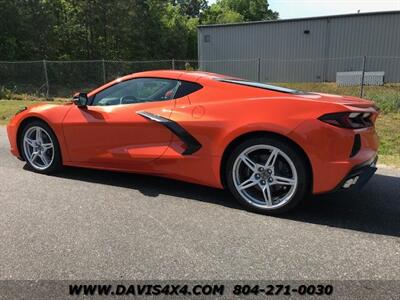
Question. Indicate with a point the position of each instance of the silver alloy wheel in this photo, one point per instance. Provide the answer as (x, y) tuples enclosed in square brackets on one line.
[(265, 176), (38, 148)]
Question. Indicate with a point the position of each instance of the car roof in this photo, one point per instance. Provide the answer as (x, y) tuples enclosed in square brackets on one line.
[(193, 76), (189, 75)]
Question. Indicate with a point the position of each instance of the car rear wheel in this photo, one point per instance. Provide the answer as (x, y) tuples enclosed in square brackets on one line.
[(267, 175), (40, 148)]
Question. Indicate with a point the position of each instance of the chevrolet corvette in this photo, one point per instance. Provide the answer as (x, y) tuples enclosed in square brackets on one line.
[(269, 146)]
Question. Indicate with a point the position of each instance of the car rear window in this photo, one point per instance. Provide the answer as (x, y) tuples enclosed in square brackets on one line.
[(263, 86)]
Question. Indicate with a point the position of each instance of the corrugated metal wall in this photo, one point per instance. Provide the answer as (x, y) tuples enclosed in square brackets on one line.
[(288, 53)]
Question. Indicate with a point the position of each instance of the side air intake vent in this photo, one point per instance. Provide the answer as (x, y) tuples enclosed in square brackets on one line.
[(356, 145)]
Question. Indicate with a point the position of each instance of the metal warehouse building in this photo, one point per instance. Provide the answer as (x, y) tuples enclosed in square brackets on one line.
[(303, 50)]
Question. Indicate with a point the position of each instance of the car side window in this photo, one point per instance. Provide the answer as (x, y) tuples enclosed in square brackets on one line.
[(186, 88), (137, 90)]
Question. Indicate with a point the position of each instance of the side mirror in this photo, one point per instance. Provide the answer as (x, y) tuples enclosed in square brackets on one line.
[(81, 100)]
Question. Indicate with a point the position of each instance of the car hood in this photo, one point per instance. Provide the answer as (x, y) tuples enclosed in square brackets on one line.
[(50, 112), (45, 106)]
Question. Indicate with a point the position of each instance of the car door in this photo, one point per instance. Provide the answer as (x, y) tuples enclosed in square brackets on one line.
[(112, 132)]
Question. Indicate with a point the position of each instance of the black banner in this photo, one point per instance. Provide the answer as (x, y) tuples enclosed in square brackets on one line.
[(92, 289)]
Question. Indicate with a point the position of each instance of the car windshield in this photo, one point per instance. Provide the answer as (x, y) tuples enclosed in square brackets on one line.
[(264, 86)]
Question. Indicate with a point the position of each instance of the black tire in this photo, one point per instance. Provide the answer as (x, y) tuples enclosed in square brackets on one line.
[(56, 163), (303, 177)]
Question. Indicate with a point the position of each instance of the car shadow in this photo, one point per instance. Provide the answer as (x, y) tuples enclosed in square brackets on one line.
[(374, 209)]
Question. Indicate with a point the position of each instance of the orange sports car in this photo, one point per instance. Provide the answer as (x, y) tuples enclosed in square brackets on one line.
[(270, 146)]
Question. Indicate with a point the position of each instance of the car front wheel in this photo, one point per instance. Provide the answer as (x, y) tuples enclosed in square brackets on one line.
[(267, 175), (40, 147)]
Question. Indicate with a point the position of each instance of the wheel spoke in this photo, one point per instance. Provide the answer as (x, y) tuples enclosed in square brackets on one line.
[(247, 183), (47, 146), (272, 158), (249, 163), (34, 155), (267, 195), (283, 180), (30, 142), (44, 159), (38, 135)]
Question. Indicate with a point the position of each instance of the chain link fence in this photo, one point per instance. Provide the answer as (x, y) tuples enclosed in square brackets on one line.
[(63, 78)]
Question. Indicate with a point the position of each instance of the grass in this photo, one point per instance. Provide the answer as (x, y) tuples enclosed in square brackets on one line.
[(386, 97), (388, 128), (8, 108)]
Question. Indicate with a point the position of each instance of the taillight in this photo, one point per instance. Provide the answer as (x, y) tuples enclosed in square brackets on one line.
[(352, 120)]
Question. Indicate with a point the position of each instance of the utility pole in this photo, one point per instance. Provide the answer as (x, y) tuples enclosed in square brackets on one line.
[(362, 77)]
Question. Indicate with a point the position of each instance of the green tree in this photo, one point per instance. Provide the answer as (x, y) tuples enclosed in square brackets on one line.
[(114, 29), (229, 11), (9, 30), (191, 8), (220, 14)]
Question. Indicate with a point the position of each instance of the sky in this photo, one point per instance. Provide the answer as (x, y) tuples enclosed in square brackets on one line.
[(289, 9)]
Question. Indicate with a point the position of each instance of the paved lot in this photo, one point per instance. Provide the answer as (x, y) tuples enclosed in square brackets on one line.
[(84, 224)]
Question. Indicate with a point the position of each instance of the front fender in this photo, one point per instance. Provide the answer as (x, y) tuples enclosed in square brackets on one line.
[(52, 114)]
